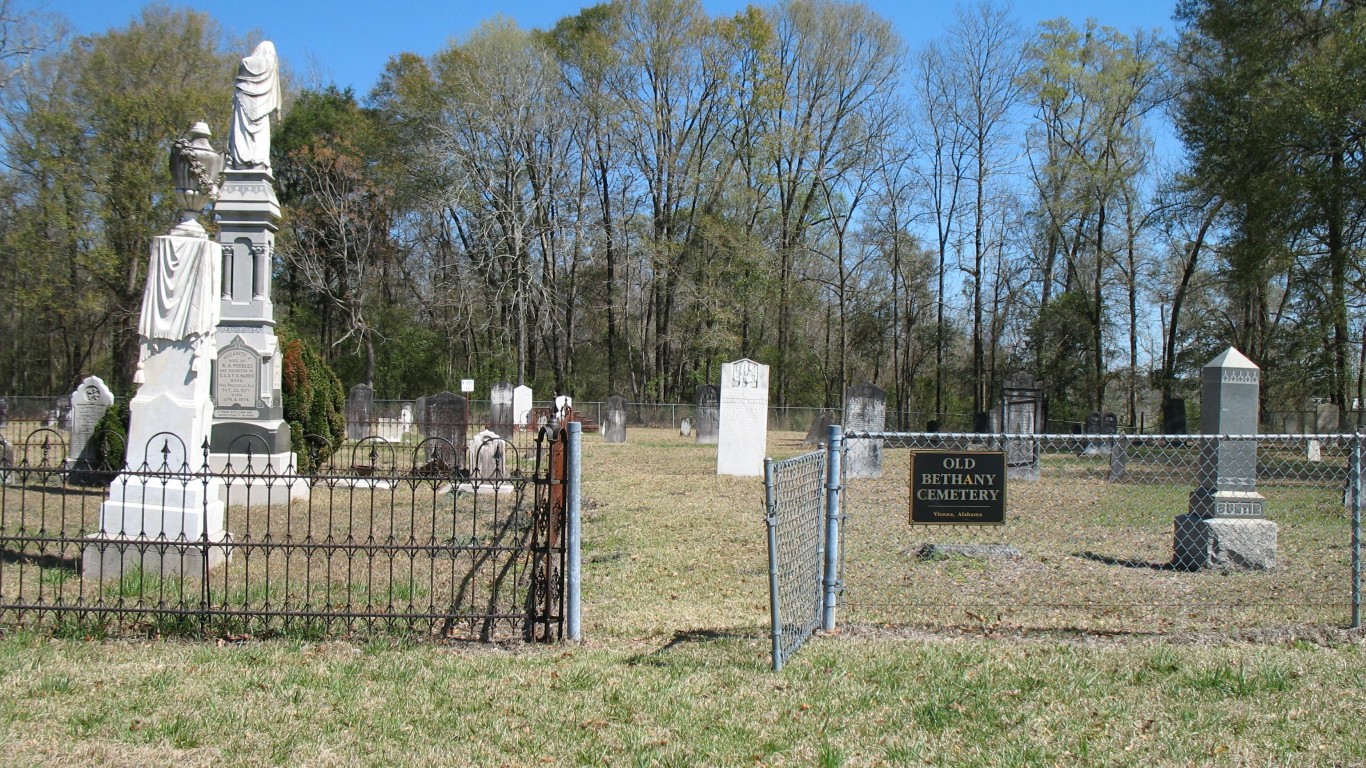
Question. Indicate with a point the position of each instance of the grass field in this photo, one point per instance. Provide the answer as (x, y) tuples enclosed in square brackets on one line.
[(675, 669)]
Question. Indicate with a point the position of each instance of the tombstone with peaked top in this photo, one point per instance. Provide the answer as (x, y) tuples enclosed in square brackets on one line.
[(865, 410), (742, 438), (501, 409), (708, 415), (614, 427), (1224, 527), (521, 406)]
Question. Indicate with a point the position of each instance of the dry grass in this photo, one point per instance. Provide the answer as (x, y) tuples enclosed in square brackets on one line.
[(674, 670)]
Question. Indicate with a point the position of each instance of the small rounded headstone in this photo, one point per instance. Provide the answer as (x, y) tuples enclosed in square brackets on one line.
[(685, 427)]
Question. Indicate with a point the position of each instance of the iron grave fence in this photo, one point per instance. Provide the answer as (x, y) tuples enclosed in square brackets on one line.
[(380, 537), (1088, 543)]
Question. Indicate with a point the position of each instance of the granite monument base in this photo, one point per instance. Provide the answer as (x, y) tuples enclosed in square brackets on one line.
[(1224, 543), (269, 480)]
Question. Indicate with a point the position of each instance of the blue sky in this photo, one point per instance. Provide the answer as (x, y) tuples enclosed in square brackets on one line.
[(349, 41)]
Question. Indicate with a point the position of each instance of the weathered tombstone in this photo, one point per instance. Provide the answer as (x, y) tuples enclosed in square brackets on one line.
[(521, 405), (445, 425), (4, 413), (742, 438), (685, 427), (614, 427), (1327, 419), (88, 404), (708, 416), (1093, 427), (488, 456), (1109, 424), (816, 434), (1224, 526), (1174, 416), (865, 410), (360, 416), (1292, 424), (1022, 417), (500, 409), (160, 521), (981, 422)]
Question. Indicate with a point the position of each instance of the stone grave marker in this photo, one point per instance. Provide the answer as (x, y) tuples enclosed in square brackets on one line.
[(1224, 527), (88, 404), (521, 405), (815, 435), (742, 438), (865, 410), (1292, 424), (360, 408), (501, 409), (1092, 427), (1022, 417), (614, 428), (445, 423), (1327, 419), (685, 427), (563, 403), (1174, 416), (707, 422)]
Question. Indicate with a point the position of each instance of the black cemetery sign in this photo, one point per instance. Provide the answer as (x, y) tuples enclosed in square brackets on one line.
[(958, 487)]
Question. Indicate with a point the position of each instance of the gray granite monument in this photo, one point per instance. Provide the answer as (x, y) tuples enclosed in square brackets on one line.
[(88, 404), (1224, 527), (360, 412), (445, 423), (1022, 416), (614, 424), (501, 418), (865, 410), (707, 418)]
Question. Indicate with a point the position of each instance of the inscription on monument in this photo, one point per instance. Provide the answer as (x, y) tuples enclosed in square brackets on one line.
[(238, 383)]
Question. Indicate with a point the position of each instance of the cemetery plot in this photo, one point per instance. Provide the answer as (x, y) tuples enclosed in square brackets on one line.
[(1089, 545), (387, 549)]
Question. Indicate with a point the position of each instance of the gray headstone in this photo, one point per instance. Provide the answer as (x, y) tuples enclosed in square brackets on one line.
[(360, 412), (88, 404), (685, 427), (1109, 424), (819, 426), (865, 410), (1022, 415), (1327, 419), (742, 438), (1224, 527), (500, 410), (708, 416), (1292, 424), (614, 426), (445, 422), (488, 456), (1093, 423)]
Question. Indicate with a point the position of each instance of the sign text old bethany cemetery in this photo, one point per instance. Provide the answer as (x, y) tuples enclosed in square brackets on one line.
[(958, 487)]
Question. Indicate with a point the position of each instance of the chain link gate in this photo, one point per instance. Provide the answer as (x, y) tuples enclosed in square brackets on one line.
[(1094, 543)]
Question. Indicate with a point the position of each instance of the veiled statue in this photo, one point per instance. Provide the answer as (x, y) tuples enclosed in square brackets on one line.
[(256, 96)]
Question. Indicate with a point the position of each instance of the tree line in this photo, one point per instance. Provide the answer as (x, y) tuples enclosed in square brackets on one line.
[(622, 202)]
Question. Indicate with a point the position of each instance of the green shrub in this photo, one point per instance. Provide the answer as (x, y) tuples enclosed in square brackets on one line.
[(315, 403)]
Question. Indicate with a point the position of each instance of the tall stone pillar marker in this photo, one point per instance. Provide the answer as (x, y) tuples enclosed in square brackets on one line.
[(164, 514), (1224, 527), (249, 412)]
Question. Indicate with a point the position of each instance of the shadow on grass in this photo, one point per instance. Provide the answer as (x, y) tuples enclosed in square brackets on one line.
[(10, 557), (685, 638), (1137, 564)]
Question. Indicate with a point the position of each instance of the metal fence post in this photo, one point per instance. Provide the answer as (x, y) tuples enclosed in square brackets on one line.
[(771, 522), (573, 534), (1354, 485), (834, 447)]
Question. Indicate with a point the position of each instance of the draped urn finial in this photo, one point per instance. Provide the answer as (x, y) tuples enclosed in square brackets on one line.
[(195, 170)]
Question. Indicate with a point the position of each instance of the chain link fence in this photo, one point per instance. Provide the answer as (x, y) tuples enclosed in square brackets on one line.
[(795, 497), (1112, 533)]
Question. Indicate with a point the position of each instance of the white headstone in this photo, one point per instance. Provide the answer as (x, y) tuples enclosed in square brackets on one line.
[(521, 405), (563, 402), (743, 438), (88, 404)]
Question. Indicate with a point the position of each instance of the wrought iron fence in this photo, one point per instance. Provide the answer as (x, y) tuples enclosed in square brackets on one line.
[(378, 537), (1097, 536)]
